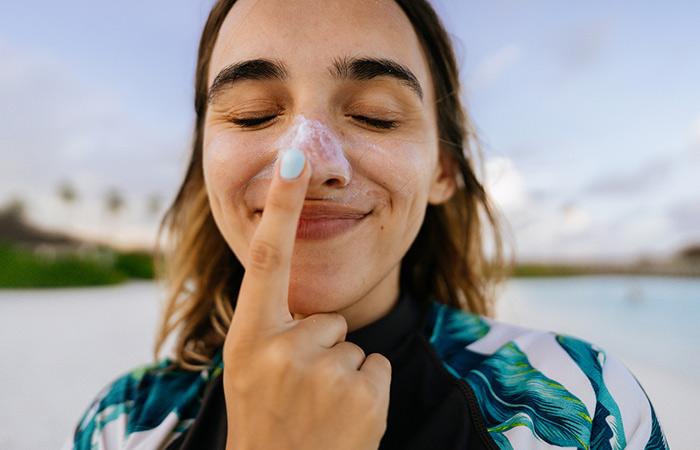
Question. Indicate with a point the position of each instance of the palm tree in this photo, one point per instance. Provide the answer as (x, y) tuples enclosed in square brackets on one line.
[(67, 192), (69, 196), (114, 201), (114, 205), (154, 204)]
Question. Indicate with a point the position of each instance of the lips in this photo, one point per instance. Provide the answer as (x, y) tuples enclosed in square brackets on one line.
[(323, 220), (325, 210)]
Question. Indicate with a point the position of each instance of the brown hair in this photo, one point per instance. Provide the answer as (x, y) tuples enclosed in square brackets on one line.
[(446, 261)]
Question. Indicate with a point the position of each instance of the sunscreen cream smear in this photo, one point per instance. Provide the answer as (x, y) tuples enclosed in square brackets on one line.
[(330, 154), (319, 144)]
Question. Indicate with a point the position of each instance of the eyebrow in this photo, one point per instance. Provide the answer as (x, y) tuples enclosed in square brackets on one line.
[(356, 68)]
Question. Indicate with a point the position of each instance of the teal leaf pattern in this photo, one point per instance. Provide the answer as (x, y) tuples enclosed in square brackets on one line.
[(511, 392), (144, 397), (657, 440), (462, 328), (453, 331), (163, 392), (608, 430)]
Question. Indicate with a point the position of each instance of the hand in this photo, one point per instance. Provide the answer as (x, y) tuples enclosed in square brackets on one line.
[(295, 384)]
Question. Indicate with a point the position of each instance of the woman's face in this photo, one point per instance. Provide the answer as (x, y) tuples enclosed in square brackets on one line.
[(347, 83)]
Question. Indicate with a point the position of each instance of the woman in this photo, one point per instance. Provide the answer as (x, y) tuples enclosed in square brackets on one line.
[(331, 161)]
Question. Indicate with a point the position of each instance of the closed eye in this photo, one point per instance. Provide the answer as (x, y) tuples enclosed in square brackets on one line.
[(376, 123), (252, 121)]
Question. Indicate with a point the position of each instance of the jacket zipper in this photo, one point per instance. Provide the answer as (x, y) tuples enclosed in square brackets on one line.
[(476, 414), (466, 390)]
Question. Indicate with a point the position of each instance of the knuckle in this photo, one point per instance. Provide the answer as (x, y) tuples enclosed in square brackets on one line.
[(331, 320), (230, 350), (277, 353), (381, 361), (328, 370), (240, 378), (264, 256), (355, 348), (342, 323), (387, 364)]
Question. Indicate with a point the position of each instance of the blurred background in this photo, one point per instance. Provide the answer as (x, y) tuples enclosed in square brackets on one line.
[(589, 116)]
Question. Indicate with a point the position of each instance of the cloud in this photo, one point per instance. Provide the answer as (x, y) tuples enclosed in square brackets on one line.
[(631, 182), (490, 69), (57, 126), (554, 224), (548, 227), (505, 185), (536, 217)]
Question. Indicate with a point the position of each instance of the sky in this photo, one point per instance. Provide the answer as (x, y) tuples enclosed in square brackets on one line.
[(588, 114)]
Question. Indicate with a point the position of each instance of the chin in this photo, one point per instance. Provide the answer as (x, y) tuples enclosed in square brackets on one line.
[(318, 294)]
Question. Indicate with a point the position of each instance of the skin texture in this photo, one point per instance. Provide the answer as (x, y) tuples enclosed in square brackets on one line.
[(392, 173)]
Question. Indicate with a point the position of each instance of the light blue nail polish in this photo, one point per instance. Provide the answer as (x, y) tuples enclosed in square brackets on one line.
[(292, 163)]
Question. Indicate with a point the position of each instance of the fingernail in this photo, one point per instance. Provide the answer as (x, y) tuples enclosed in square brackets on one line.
[(292, 163)]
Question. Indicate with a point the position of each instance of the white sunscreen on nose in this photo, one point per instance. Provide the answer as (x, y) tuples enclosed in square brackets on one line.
[(320, 145)]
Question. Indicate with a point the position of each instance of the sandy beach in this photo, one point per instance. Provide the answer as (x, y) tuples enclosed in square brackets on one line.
[(60, 347)]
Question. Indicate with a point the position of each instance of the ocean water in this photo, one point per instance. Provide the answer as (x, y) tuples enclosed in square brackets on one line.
[(59, 347), (652, 324), (654, 319)]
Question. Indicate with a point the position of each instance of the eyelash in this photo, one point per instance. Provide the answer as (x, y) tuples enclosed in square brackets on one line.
[(376, 123)]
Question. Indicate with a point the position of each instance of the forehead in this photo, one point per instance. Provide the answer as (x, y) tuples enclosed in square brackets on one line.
[(308, 34)]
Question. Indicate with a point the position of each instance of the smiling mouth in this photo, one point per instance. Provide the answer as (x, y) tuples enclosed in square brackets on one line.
[(326, 220)]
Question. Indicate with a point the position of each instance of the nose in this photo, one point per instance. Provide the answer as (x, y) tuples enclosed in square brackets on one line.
[(331, 169), (329, 166)]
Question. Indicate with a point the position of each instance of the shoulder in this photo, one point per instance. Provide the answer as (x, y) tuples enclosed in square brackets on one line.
[(153, 402), (553, 388)]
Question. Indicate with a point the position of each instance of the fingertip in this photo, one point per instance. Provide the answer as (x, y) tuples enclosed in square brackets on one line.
[(292, 163)]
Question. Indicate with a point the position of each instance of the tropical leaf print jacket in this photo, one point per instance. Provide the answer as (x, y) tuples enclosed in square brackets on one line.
[(459, 381)]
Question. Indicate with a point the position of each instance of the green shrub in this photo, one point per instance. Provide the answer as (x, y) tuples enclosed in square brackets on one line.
[(21, 268), (135, 264), (548, 270)]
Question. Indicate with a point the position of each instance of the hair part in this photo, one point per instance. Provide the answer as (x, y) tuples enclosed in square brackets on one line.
[(447, 261)]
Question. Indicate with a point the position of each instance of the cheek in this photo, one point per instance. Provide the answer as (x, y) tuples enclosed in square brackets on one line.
[(402, 169), (231, 162), (226, 163)]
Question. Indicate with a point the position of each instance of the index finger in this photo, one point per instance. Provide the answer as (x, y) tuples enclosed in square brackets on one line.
[(262, 299)]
